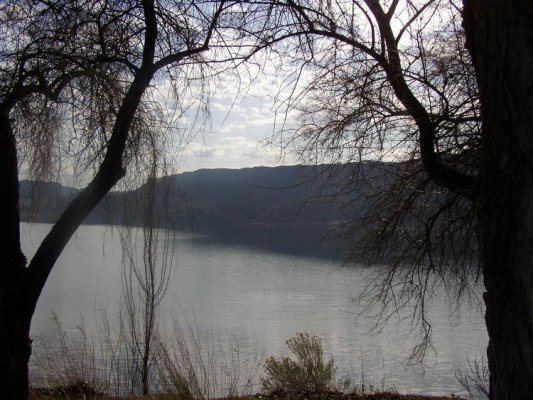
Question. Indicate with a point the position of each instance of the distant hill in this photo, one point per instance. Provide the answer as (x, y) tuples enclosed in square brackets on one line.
[(261, 195), (43, 201), (225, 202), (281, 195)]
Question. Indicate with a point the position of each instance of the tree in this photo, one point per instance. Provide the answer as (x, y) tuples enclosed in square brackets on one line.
[(498, 37), (81, 74), (147, 268), (394, 79)]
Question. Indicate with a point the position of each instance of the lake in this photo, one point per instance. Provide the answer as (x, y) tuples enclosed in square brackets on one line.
[(258, 297)]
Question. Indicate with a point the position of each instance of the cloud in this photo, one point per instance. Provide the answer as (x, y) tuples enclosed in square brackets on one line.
[(218, 106), (243, 114), (229, 152), (228, 147)]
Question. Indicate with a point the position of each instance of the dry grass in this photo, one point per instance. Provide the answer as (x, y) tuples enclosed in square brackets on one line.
[(190, 366)]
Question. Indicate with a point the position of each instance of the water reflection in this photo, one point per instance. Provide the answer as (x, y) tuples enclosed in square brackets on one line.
[(312, 240)]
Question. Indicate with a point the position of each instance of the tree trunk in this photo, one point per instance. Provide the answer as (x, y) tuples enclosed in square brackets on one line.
[(506, 237), (15, 315), (15, 346), (500, 36)]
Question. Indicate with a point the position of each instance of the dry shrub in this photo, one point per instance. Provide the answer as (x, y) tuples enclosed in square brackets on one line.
[(309, 372)]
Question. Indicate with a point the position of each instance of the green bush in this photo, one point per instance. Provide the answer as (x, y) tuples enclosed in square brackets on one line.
[(308, 372)]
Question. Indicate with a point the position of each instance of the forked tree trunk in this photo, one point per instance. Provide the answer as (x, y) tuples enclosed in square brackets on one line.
[(500, 36), (21, 286)]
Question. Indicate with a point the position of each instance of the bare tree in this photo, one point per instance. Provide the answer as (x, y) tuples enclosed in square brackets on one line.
[(147, 267), (77, 76), (393, 80), (349, 112)]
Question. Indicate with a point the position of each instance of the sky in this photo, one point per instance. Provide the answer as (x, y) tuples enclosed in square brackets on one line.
[(242, 125), (235, 136)]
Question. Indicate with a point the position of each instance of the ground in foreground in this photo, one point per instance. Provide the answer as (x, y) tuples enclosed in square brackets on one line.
[(46, 394)]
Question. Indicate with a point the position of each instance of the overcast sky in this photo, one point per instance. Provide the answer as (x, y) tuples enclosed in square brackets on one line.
[(243, 119), (235, 136)]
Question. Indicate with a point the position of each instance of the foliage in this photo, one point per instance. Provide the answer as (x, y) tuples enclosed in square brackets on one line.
[(309, 372)]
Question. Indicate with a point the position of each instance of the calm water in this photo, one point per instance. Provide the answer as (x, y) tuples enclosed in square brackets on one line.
[(259, 299)]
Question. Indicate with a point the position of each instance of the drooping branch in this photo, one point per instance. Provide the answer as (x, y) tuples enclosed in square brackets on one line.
[(110, 171), (312, 21)]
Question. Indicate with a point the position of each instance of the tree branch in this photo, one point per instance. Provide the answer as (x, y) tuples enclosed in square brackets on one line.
[(442, 174), (177, 57), (110, 172)]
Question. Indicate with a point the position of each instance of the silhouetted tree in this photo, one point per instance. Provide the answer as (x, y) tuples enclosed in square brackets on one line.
[(147, 266), (498, 36), (78, 75), (394, 80)]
